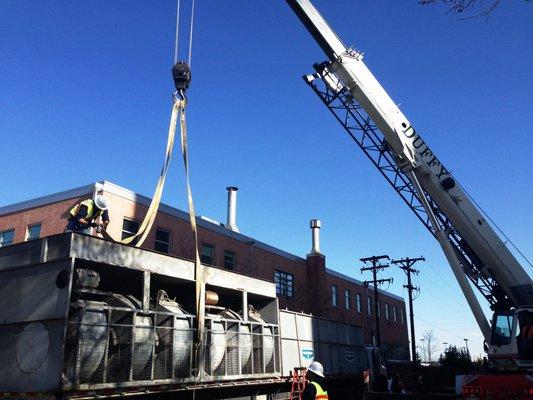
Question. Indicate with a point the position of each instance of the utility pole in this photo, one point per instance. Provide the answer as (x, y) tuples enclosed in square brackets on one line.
[(467, 351), (406, 265), (375, 267)]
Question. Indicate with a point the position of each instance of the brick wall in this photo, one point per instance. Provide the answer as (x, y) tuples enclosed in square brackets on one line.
[(52, 217)]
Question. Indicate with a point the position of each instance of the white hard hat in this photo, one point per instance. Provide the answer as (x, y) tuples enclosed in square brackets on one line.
[(101, 202), (316, 368)]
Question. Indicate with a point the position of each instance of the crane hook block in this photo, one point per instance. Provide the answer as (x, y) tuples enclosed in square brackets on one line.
[(181, 73)]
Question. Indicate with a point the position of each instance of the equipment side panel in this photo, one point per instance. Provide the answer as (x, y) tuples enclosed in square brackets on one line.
[(30, 355), (305, 338), (34, 293)]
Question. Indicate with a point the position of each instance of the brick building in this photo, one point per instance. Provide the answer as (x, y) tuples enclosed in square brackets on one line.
[(303, 284)]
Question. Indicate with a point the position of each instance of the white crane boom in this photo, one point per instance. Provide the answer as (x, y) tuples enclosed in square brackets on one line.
[(469, 242)]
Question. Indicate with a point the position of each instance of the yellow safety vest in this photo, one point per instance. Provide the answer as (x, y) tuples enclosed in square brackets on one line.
[(89, 203), (321, 394)]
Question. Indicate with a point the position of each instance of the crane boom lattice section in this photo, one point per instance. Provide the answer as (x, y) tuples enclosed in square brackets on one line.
[(360, 127)]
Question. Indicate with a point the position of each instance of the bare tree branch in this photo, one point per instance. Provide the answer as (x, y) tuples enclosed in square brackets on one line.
[(465, 9), (429, 348)]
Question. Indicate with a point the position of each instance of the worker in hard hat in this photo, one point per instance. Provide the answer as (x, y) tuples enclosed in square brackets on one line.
[(86, 215), (381, 383), (314, 388)]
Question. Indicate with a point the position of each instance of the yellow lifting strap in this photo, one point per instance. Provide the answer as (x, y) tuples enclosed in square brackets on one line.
[(178, 109), (198, 267)]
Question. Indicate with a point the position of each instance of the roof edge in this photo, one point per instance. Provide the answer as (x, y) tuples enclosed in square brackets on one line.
[(49, 199), (175, 212)]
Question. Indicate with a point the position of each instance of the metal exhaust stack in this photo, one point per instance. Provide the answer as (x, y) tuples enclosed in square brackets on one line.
[(231, 223), (315, 228)]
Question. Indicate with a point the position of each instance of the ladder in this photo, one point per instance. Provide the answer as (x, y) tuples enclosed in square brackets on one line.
[(298, 383)]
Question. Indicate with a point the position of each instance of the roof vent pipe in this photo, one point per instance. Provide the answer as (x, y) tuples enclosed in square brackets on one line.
[(315, 229), (232, 208)]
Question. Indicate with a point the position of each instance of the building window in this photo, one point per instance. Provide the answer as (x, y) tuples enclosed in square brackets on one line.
[(379, 309), (402, 315), (284, 283), (6, 237), (358, 302), (334, 295), (394, 313), (386, 311), (34, 231), (130, 228), (206, 254), (369, 304), (162, 241), (347, 299), (229, 259)]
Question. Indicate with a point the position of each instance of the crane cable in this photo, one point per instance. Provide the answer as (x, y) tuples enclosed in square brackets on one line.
[(198, 267), (176, 40), (178, 111), (508, 240)]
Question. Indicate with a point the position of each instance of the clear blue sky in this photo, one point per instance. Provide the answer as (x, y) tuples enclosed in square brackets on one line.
[(85, 95)]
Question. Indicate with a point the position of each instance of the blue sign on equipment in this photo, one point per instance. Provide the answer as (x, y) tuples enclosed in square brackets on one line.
[(308, 354)]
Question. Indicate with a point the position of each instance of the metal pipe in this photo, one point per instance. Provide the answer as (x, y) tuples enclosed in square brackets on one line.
[(211, 298), (315, 225), (231, 223)]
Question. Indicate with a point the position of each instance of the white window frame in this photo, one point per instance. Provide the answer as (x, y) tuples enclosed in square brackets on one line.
[(40, 225), (202, 254), (334, 300), (358, 302), (284, 283), (2, 233), (162, 242), (233, 254), (125, 233), (347, 299)]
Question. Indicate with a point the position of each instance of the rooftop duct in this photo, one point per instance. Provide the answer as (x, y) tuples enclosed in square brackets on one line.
[(232, 208), (315, 228)]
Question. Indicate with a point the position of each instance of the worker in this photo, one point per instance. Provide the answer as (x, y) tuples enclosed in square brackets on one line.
[(84, 215), (525, 337), (314, 387), (381, 383), (396, 385)]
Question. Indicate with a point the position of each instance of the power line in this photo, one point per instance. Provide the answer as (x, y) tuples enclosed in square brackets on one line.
[(440, 329)]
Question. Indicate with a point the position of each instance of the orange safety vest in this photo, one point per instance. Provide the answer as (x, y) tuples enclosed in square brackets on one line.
[(321, 394)]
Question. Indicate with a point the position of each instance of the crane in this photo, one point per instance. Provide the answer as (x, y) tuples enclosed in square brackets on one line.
[(475, 252)]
